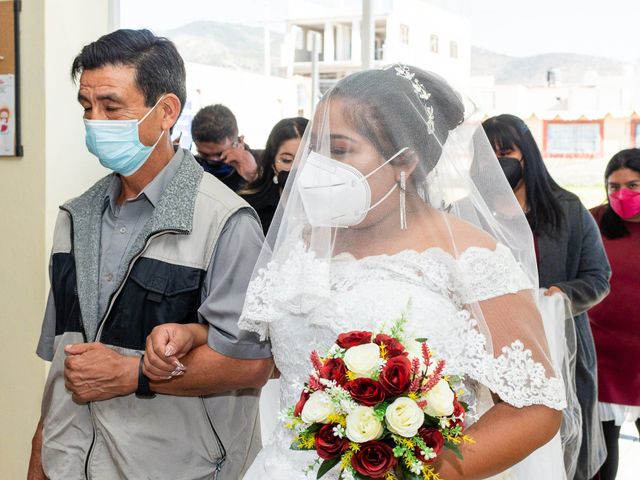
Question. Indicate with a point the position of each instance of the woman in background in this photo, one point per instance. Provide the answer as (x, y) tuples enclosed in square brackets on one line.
[(264, 193), (616, 321), (571, 260)]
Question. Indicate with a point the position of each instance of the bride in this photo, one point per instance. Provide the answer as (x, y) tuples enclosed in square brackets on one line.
[(398, 204)]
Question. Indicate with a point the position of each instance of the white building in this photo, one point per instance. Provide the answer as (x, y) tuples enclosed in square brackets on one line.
[(578, 127), (257, 110), (594, 119), (409, 31)]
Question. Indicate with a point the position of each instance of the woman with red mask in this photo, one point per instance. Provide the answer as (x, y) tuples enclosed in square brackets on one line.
[(616, 321)]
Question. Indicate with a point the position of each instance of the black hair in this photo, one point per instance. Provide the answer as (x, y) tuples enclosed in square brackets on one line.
[(214, 123), (383, 106), (545, 213), (158, 65), (285, 129), (611, 225)]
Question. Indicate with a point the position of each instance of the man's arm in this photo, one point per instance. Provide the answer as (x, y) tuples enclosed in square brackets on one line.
[(222, 356), (233, 359), (179, 353), (241, 158), (208, 372)]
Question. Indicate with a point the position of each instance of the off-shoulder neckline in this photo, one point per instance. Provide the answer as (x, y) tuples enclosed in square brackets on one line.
[(409, 252)]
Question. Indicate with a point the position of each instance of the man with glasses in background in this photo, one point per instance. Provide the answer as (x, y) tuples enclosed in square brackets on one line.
[(220, 150)]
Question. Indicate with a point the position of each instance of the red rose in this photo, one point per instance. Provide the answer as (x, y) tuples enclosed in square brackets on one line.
[(365, 391), (458, 414), (396, 376), (392, 346), (352, 339), (329, 446), (374, 459), (297, 410), (433, 438), (334, 369)]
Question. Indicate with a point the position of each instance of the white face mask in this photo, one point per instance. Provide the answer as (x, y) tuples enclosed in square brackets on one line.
[(335, 194)]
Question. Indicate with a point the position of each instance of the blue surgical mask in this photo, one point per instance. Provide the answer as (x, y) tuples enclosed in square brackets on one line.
[(117, 144)]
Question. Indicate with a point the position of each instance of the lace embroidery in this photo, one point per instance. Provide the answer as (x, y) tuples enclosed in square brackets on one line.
[(490, 273), (302, 306)]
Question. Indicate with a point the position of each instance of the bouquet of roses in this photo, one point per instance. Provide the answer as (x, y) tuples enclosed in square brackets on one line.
[(378, 406)]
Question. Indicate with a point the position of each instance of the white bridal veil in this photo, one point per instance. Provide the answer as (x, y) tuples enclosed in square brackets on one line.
[(395, 161)]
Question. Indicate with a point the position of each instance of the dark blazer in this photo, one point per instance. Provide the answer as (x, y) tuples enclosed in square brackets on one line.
[(574, 260)]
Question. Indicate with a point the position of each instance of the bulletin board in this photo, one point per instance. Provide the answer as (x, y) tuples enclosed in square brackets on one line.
[(10, 141)]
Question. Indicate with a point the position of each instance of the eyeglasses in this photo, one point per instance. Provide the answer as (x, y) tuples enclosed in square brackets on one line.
[(217, 157)]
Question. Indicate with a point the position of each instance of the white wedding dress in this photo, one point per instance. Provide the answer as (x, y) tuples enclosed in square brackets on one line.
[(432, 288)]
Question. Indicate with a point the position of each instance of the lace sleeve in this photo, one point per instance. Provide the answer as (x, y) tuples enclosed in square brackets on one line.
[(292, 286), (490, 273), (258, 309), (507, 349)]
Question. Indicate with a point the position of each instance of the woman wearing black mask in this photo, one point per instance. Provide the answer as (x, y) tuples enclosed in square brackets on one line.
[(571, 260), (264, 193)]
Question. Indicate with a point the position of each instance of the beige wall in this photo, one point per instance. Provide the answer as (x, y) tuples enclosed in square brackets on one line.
[(22, 257), (70, 168), (55, 166)]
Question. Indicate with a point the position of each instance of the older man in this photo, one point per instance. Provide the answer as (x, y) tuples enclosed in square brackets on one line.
[(154, 242)]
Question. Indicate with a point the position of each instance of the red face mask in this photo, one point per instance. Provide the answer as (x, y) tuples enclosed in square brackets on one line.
[(625, 203)]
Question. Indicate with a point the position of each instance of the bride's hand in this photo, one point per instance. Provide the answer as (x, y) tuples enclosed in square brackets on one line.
[(166, 345)]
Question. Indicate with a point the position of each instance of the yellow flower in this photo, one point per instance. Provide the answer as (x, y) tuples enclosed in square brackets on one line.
[(428, 473), (468, 439), (346, 459), (337, 418)]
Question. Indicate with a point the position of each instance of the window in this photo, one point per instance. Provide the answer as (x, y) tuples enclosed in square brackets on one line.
[(434, 43), (453, 49), (573, 139), (635, 133), (404, 34)]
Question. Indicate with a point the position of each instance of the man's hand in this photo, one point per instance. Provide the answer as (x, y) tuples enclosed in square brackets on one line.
[(166, 344), (36, 472), (552, 291), (94, 372), (242, 160)]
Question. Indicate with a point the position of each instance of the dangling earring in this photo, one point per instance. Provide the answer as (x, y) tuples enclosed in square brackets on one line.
[(403, 211), (275, 179)]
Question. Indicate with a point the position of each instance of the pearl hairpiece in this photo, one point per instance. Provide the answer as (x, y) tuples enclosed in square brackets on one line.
[(404, 72)]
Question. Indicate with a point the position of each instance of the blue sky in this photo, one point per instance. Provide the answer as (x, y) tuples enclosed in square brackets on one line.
[(515, 27)]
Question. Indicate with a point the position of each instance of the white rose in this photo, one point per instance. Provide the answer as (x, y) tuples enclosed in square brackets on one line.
[(404, 417), (363, 360), (317, 408), (414, 349), (439, 400), (362, 425)]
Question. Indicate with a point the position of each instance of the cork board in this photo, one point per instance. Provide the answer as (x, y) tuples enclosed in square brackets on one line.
[(10, 145), (7, 39)]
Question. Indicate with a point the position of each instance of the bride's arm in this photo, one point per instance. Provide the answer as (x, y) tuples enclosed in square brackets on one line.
[(503, 436), (521, 374)]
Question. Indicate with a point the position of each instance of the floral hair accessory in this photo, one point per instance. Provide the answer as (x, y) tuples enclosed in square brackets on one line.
[(404, 72)]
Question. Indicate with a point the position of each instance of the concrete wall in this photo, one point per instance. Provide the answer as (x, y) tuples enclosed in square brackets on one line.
[(55, 166)]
